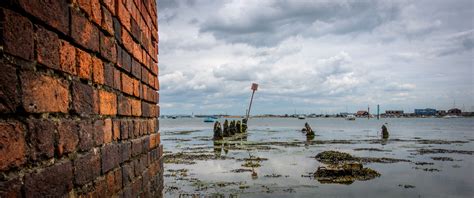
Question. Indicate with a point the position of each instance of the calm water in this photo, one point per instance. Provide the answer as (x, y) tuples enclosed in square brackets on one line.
[(291, 161)]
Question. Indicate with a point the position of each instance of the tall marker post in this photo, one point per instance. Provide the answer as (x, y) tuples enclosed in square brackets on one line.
[(254, 88)]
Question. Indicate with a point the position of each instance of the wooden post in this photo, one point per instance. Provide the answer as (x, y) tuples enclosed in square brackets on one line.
[(254, 88)]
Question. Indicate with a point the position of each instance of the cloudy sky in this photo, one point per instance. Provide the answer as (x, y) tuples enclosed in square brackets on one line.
[(319, 56)]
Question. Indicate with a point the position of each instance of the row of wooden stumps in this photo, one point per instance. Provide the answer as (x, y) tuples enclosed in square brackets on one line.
[(229, 129)]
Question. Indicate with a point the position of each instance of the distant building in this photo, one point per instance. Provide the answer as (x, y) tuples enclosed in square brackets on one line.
[(425, 112), (454, 111), (441, 112), (394, 112), (362, 114)]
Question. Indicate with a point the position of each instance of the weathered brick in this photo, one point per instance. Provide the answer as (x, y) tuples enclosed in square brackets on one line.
[(127, 84), (84, 32), (125, 151), (83, 99), (41, 135), (108, 103), (110, 157), (137, 187), (107, 48), (47, 47), (146, 143), (117, 79), (119, 56), (85, 5), (146, 110), (107, 21), (98, 70), (53, 181), (67, 57), (17, 34), (135, 30), (68, 132), (127, 41), (137, 147), (87, 167), (127, 174), (136, 107), (117, 30), (12, 145), (84, 64), (86, 135), (116, 129), (99, 127), (11, 188), (108, 131), (100, 187), (124, 129), (44, 94), (96, 11), (127, 61), (109, 74), (125, 107), (9, 94), (54, 13), (136, 128)]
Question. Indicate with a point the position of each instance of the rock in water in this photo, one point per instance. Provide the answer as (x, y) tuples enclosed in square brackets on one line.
[(238, 126), (345, 173), (226, 129), (217, 131), (384, 132), (309, 131)]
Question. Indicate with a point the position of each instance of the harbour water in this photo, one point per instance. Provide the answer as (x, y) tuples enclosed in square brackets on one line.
[(436, 158)]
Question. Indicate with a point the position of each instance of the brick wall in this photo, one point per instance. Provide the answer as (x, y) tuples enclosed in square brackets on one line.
[(78, 99)]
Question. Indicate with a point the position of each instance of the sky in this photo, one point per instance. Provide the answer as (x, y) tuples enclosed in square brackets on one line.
[(318, 56)]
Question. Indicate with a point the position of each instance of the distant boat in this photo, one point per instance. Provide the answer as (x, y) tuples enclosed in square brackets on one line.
[(350, 117), (210, 119), (301, 117), (174, 117)]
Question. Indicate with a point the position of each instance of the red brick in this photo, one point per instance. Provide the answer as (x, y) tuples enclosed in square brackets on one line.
[(128, 42), (17, 34), (86, 135), (125, 151), (123, 15), (107, 21), (136, 128), (107, 48), (41, 135), (13, 145), (108, 134), (84, 32), (116, 130), (96, 12), (146, 111), (97, 70), (47, 47), (84, 64), (108, 103), (83, 99), (136, 88), (9, 94), (117, 79), (68, 132), (53, 181), (87, 168), (137, 147), (124, 129), (85, 5), (119, 56), (127, 84), (136, 107), (44, 94), (54, 13), (100, 189), (125, 107), (110, 4), (67, 57), (127, 174), (110, 157), (117, 30), (114, 181)]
